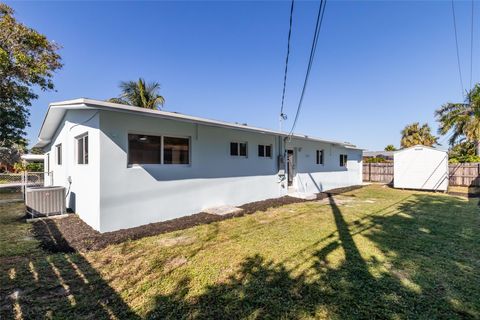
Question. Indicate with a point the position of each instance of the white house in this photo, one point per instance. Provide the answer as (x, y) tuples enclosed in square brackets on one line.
[(126, 166), (420, 167)]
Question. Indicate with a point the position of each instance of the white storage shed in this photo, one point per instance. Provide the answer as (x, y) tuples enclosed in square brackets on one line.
[(421, 167)]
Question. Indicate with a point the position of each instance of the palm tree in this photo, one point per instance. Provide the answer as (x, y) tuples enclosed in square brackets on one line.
[(462, 118), (413, 134), (390, 147), (140, 94)]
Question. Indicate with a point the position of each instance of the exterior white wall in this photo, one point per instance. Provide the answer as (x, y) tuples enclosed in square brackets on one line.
[(134, 196), (84, 195), (314, 178), (421, 168)]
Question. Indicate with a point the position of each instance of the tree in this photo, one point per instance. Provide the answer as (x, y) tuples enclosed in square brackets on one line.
[(463, 152), (27, 60), (390, 147), (9, 155), (462, 118), (140, 94), (413, 134)]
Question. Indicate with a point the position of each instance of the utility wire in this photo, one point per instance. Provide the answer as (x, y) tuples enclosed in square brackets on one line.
[(456, 45), (282, 115), (471, 45), (321, 11)]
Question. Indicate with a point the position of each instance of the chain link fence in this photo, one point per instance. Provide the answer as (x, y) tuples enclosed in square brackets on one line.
[(12, 185)]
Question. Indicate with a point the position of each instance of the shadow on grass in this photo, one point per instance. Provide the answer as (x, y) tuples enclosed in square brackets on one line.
[(265, 289), (59, 286)]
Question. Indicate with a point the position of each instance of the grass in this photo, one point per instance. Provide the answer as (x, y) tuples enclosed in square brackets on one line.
[(370, 253)]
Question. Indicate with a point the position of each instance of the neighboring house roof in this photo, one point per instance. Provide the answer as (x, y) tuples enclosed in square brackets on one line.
[(32, 157), (378, 153), (57, 110)]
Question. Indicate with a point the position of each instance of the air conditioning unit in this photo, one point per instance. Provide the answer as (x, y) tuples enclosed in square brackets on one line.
[(45, 201)]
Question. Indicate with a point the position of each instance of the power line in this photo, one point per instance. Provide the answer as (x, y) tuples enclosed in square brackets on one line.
[(471, 45), (456, 45), (321, 11), (282, 115)]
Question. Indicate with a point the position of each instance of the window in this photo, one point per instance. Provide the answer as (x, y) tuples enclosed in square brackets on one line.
[(143, 149), (48, 162), (82, 149), (58, 151), (265, 151), (319, 156), (238, 149), (343, 160), (176, 150)]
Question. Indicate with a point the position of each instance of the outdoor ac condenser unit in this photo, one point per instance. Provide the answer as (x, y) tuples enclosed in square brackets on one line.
[(45, 201)]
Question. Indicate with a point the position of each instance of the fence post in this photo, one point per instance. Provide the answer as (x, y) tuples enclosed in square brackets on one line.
[(370, 172)]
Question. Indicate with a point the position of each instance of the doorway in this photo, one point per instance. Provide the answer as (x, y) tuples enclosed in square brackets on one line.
[(290, 167)]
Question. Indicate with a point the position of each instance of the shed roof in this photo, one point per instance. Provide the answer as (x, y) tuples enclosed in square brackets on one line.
[(57, 110)]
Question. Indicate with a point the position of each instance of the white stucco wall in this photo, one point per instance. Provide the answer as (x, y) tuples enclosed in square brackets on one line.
[(84, 195), (421, 168), (133, 196), (313, 178)]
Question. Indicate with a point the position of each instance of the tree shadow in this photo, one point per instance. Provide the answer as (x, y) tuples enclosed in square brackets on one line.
[(272, 290), (60, 286)]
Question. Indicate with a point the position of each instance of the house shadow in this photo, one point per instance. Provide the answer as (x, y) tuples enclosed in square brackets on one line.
[(59, 286), (269, 289)]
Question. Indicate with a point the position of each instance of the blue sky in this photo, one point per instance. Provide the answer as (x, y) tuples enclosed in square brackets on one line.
[(379, 65)]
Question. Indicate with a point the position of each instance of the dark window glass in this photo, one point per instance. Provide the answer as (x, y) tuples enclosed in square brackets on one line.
[(143, 149), (243, 149), (268, 151), (261, 150), (80, 157), (85, 149), (319, 156), (59, 154), (233, 149), (343, 160), (176, 150)]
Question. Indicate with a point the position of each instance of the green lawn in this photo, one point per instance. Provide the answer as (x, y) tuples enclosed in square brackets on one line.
[(370, 253)]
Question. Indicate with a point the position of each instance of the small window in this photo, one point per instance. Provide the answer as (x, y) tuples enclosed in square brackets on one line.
[(319, 156), (343, 160), (48, 162), (265, 151), (238, 149), (143, 149), (58, 151), (82, 149), (176, 150)]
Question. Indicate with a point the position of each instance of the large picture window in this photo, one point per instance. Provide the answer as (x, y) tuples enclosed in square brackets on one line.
[(148, 149), (143, 149), (176, 150), (82, 149)]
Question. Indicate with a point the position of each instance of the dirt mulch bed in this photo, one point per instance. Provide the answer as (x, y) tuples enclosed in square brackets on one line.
[(71, 234)]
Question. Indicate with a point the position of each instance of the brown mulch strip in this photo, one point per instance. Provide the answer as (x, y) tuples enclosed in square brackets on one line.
[(71, 234)]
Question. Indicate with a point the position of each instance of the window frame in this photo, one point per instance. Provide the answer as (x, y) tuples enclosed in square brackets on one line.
[(59, 154), (238, 149), (137, 165), (77, 139), (320, 157), (264, 146)]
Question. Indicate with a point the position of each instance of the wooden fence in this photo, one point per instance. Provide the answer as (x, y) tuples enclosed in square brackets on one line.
[(460, 174)]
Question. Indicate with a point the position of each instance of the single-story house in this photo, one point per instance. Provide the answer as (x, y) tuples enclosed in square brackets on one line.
[(126, 166)]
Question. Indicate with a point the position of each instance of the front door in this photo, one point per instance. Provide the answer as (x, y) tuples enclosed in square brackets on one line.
[(290, 166)]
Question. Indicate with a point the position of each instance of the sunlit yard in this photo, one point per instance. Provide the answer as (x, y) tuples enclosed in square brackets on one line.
[(374, 252)]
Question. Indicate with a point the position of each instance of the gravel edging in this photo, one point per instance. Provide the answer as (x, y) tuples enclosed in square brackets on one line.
[(71, 234)]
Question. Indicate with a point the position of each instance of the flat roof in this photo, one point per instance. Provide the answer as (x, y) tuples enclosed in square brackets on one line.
[(57, 110)]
